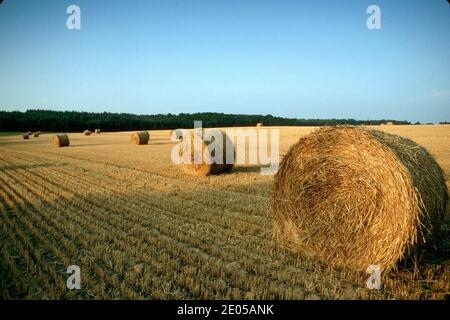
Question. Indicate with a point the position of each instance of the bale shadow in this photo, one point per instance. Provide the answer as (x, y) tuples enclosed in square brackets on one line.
[(247, 168), (436, 251), (161, 139), (91, 144), (162, 143)]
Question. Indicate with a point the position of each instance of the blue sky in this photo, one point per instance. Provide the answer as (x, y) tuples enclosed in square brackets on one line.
[(303, 59)]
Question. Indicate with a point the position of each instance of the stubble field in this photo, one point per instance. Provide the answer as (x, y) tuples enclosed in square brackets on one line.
[(139, 228)]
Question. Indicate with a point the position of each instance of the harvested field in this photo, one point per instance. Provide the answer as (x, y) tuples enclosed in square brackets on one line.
[(140, 228)]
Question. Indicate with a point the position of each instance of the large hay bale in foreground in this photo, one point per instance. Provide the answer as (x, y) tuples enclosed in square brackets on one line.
[(60, 140), (87, 132), (140, 137), (354, 197), (207, 166), (25, 136)]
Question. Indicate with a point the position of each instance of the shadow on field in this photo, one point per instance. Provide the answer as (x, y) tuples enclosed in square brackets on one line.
[(150, 143), (91, 144), (435, 252), (32, 166), (247, 168), (23, 142), (161, 139)]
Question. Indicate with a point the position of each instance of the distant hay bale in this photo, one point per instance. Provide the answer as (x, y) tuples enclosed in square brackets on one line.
[(140, 137), (389, 123), (25, 136), (354, 197), (180, 136), (39, 132), (29, 133), (205, 168), (259, 124), (98, 131), (60, 140), (87, 132), (36, 134)]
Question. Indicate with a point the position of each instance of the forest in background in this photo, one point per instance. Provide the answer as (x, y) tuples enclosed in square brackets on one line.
[(74, 121)]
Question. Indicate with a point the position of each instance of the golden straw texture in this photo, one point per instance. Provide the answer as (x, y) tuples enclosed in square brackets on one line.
[(352, 197)]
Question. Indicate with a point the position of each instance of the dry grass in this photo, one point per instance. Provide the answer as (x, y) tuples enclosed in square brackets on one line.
[(353, 198), (140, 229)]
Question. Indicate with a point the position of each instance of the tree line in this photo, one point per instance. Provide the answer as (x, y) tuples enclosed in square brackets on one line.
[(75, 121)]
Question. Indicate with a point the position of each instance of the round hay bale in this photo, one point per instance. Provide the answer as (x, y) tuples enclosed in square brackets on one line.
[(36, 134), (140, 137), (180, 137), (25, 136), (389, 123), (29, 133), (60, 140), (98, 131), (259, 124), (206, 168), (354, 197), (87, 132)]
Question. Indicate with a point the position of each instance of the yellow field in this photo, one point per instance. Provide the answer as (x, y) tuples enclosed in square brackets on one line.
[(140, 228)]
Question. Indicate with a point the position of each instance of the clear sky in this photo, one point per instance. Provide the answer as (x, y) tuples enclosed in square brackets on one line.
[(303, 59)]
